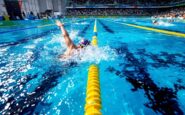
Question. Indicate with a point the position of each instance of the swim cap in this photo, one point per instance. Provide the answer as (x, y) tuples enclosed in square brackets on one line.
[(84, 42)]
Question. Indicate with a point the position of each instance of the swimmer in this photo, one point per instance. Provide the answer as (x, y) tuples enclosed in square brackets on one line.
[(71, 47), (155, 22)]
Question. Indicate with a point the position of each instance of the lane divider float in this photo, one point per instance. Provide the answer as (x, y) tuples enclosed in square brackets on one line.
[(94, 41), (157, 30), (178, 34), (93, 94)]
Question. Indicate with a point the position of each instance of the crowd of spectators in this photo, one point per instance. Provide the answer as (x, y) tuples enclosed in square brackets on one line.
[(125, 2), (177, 12), (108, 12), (172, 13)]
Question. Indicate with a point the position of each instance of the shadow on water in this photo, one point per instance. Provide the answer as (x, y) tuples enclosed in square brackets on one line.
[(106, 27), (165, 59), (83, 32), (161, 99)]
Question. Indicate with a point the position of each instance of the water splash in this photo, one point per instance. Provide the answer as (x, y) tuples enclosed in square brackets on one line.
[(89, 54), (30, 46), (73, 34), (58, 38), (162, 23), (92, 55), (4, 49), (81, 23)]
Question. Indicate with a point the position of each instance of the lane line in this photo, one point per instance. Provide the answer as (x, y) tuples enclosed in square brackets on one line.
[(27, 38), (93, 94), (41, 26), (153, 29)]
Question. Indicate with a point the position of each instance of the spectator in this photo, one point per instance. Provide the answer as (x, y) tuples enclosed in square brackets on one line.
[(31, 16), (107, 12), (23, 15), (6, 17), (1, 17), (177, 12)]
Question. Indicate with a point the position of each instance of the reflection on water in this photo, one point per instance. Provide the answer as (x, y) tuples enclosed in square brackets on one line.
[(161, 99)]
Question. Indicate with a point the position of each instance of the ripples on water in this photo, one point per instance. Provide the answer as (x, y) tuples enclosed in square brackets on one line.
[(26, 69)]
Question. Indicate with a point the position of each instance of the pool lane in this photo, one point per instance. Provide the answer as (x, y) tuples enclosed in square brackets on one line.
[(121, 87), (135, 71), (106, 28), (162, 24), (83, 32), (178, 34), (50, 77), (35, 34), (52, 23), (27, 38)]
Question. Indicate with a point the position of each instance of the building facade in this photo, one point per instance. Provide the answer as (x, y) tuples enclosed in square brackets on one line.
[(16, 7)]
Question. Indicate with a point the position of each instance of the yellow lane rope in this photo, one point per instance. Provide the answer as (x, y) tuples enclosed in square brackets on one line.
[(93, 97), (157, 30), (154, 29), (94, 41)]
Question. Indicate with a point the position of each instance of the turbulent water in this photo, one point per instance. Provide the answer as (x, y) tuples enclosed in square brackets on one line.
[(88, 54), (92, 54)]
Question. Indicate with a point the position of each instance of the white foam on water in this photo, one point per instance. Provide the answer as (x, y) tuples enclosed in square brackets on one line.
[(1, 71), (58, 38), (30, 46), (28, 54), (20, 61), (4, 49), (73, 34), (81, 23), (162, 23), (93, 55), (181, 18), (57, 44), (88, 54), (10, 80), (26, 68), (37, 40), (7, 106)]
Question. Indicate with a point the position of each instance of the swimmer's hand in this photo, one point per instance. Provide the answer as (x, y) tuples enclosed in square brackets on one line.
[(58, 23)]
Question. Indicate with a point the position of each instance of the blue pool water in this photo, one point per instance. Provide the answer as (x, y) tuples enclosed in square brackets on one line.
[(141, 72)]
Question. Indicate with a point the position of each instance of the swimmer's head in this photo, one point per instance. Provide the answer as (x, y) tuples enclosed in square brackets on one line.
[(83, 43)]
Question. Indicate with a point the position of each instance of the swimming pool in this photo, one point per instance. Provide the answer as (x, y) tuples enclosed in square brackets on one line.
[(141, 71)]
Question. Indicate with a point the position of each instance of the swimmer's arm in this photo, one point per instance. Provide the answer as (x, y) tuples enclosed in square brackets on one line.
[(67, 39)]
